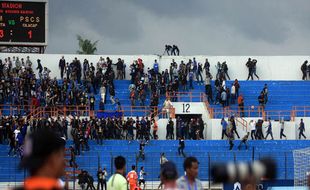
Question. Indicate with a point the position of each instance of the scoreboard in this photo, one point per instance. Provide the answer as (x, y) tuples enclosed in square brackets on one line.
[(23, 22)]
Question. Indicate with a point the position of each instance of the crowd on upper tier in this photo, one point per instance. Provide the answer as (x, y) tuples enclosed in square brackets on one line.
[(81, 80)]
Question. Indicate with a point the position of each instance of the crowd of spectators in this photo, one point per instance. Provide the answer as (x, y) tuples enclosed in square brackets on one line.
[(14, 129), (81, 81), (19, 85)]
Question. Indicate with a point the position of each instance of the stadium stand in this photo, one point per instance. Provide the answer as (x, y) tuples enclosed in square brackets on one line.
[(113, 100)]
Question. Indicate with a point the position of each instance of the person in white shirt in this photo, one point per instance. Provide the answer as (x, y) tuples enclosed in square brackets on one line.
[(233, 94), (237, 186), (16, 132), (167, 107), (141, 177)]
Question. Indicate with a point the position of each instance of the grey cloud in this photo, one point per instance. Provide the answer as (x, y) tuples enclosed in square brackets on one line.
[(221, 27)]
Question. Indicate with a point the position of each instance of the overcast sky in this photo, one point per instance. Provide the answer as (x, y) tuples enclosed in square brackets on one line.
[(198, 27)]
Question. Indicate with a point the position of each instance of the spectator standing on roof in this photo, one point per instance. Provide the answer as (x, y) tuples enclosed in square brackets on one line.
[(175, 50)]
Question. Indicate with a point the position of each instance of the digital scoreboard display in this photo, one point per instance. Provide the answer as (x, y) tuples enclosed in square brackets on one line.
[(23, 23)]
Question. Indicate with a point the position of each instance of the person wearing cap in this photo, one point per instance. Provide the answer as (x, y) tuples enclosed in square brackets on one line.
[(169, 176), (190, 181), (117, 181), (44, 153)]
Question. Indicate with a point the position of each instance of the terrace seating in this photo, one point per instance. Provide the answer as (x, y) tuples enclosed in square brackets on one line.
[(213, 150)]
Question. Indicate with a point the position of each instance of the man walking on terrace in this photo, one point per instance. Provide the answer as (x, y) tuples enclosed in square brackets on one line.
[(302, 129)]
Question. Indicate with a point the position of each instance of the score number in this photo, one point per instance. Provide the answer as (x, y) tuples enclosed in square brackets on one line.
[(29, 34)]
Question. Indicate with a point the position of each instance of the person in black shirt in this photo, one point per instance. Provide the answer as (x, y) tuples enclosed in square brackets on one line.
[(62, 66), (175, 50), (254, 61), (40, 68), (102, 175), (168, 48), (301, 129), (119, 68), (231, 138), (234, 127), (92, 102), (225, 69), (265, 92), (181, 147), (72, 158), (304, 70), (90, 181), (141, 150), (250, 65), (261, 100)]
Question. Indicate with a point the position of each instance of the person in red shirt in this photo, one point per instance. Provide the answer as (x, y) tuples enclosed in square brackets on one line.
[(241, 105), (132, 178)]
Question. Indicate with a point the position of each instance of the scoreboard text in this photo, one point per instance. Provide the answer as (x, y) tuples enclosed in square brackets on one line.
[(22, 22)]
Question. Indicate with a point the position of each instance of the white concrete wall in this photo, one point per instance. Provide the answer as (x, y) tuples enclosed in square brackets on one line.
[(289, 129), (268, 67)]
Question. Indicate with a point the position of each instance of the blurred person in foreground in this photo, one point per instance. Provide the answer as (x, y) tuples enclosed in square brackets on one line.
[(117, 181), (44, 153), (248, 174), (189, 181), (169, 176)]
